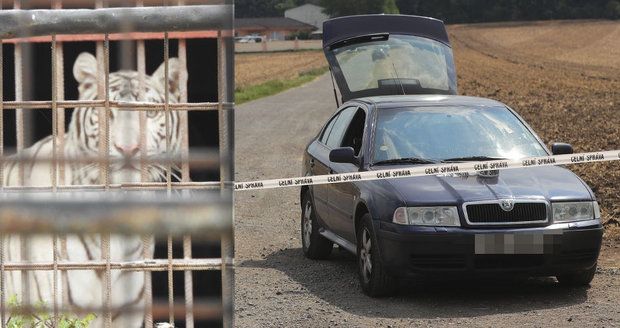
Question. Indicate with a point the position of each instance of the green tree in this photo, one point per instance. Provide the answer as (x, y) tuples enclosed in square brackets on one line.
[(613, 9), (390, 7), (355, 7), (286, 5)]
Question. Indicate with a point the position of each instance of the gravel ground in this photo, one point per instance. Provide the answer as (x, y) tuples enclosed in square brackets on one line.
[(277, 287)]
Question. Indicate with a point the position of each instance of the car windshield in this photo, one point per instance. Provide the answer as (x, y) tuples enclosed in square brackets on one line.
[(401, 62), (452, 133)]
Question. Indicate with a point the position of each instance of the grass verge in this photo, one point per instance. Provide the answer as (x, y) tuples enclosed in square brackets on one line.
[(272, 87)]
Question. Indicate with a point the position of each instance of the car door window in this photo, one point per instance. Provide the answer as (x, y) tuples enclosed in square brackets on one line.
[(340, 127), (328, 129), (355, 132)]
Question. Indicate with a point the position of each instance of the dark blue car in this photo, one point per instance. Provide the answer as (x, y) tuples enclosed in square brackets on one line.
[(396, 77)]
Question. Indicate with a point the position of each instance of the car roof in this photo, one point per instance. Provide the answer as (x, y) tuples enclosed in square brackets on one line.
[(386, 102), (338, 29)]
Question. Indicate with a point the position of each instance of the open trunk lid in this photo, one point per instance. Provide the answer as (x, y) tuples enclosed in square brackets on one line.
[(377, 55)]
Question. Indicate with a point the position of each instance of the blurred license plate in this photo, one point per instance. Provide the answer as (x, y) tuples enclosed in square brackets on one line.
[(516, 243)]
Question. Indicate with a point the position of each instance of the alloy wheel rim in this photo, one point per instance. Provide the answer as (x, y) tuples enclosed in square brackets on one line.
[(365, 255), (307, 223)]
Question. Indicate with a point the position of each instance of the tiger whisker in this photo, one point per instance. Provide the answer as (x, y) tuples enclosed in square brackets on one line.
[(85, 168), (173, 169)]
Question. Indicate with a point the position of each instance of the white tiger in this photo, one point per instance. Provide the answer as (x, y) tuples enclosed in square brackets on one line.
[(82, 138)]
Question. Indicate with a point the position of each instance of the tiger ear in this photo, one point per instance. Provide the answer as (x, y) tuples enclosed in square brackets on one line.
[(85, 67), (174, 76)]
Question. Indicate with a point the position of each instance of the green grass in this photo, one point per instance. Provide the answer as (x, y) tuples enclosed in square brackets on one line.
[(273, 87), (42, 319)]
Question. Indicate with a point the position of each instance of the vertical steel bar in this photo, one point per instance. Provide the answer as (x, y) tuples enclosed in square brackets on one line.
[(167, 107), (53, 173), (183, 116), (189, 284), (59, 80), (225, 122), (55, 282), (105, 127), (2, 271), (2, 130), (105, 124), (140, 53), (60, 96), (170, 284), (146, 240), (101, 111), (142, 119), (107, 285), (168, 168), (53, 167), (64, 274), (19, 112), (148, 288), (19, 137), (2, 275), (103, 93)]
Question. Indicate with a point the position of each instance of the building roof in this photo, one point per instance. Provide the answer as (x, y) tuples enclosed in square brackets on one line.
[(271, 23)]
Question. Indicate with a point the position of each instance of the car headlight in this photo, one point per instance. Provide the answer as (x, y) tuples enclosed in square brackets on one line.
[(575, 211), (441, 216)]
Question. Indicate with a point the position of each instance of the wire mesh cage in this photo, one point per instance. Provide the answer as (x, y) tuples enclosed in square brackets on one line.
[(84, 210)]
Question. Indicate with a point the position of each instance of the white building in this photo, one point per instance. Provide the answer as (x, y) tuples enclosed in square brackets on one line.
[(309, 14)]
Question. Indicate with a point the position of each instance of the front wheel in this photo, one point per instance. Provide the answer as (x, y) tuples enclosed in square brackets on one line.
[(579, 278), (375, 281), (314, 245)]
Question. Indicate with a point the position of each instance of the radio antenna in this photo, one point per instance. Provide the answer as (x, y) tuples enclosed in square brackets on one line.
[(398, 78)]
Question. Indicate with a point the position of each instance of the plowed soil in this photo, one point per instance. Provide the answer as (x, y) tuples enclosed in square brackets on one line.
[(564, 79), (257, 68)]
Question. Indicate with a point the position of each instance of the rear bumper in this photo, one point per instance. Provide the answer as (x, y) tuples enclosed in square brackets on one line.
[(408, 250)]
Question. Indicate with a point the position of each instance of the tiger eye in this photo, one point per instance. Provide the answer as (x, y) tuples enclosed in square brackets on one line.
[(151, 113)]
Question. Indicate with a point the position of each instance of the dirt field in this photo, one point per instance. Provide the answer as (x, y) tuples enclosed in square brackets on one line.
[(567, 93), (564, 79), (253, 69)]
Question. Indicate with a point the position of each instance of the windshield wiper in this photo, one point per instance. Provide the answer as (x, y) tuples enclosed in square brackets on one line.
[(471, 158), (407, 160)]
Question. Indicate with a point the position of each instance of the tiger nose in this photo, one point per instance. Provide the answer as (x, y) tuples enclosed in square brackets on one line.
[(127, 150)]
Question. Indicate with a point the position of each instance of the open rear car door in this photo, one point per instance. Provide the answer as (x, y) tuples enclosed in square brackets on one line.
[(377, 55)]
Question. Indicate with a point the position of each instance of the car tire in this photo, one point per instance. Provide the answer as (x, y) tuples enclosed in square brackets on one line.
[(314, 245), (374, 279), (579, 278)]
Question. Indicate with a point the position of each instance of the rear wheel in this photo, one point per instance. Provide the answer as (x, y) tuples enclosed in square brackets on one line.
[(375, 281), (314, 245), (579, 278)]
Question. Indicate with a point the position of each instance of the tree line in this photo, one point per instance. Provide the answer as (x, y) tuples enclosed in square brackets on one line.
[(450, 11)]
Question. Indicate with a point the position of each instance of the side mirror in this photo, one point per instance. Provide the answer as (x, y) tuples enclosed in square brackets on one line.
[(559, 148), (343, 155)]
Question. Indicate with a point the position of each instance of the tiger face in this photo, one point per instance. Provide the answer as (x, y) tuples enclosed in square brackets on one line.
[(124, 125)]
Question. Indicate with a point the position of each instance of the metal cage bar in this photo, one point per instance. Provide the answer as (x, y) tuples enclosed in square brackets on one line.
[(29, 214), (112, 20), (2, 275), (226, 128)]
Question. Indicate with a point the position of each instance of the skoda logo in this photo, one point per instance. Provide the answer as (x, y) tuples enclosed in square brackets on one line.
[(507, 204)]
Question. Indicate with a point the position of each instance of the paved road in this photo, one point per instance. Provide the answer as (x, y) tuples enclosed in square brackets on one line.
[(277, 287)]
